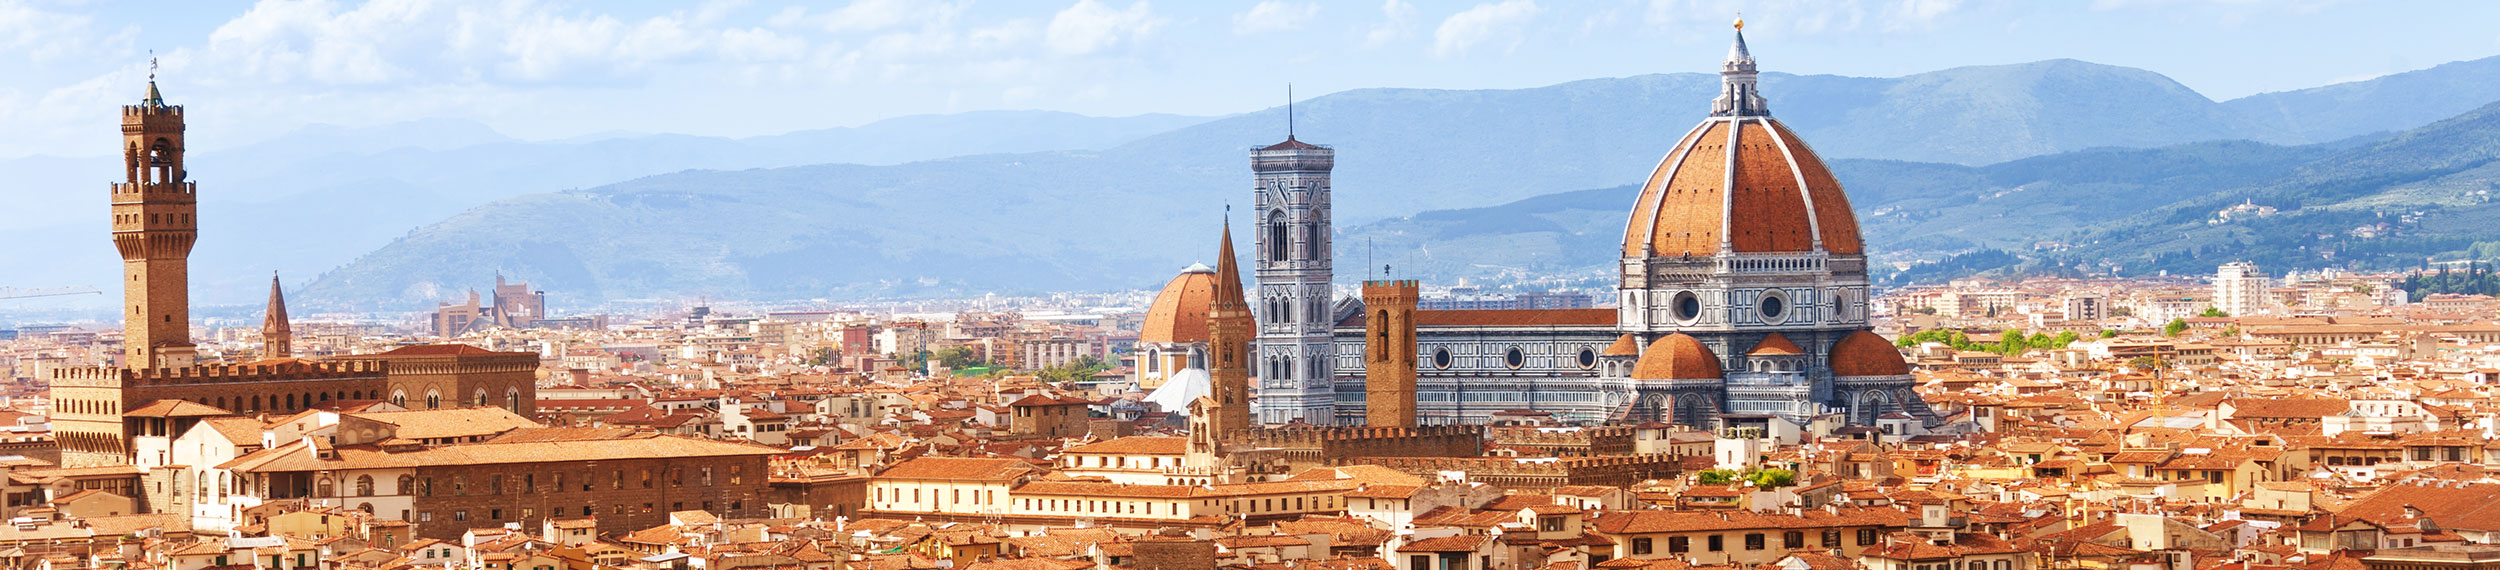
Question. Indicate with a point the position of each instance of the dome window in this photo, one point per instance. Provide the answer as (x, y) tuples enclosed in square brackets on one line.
[(1441, 358), (1588, 358), (1514, 358)]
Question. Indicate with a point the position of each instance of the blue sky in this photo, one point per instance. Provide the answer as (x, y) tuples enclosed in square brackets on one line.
[(543, 69)]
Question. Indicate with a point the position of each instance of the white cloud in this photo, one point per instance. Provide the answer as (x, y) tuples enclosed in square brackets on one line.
[(1274, 16), (1483, 23), (1398, 17), (1917, 14), (42, 36), (1089, 27)]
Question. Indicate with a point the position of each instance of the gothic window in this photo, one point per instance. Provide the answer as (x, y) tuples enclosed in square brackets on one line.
[(399, 398), (512, 399), (433, 400), (1279, 237), (479, 398)]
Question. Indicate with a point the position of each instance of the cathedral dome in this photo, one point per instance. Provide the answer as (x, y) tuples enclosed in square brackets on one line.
[(1677, 356), (1741, 182), (1179, 313), (1863, 353)]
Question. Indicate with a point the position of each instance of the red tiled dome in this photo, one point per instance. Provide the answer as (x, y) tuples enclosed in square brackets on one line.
[(1864, 353), (1179, 313), (1624, 346), (1738, 180), (1677, 356), (1774, 345)]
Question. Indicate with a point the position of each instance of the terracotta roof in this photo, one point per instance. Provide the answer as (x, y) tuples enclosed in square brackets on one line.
[(1291, 144), (1677, 356), (537, 445), (1688, 202), (1774, 345), (1139, 444), (177, 409), (1865, 353), (449, 423), (1179, 313), (436, 350), (958, 468), (1624, 346), (1460, 543)]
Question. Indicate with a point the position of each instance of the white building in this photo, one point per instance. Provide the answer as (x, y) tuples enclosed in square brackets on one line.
[(2240, 289)]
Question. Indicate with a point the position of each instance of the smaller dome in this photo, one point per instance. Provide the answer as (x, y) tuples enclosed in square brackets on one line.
[(1179, 313), (1774, 345), (1677, 356), (1624, 346), (1864, 353)]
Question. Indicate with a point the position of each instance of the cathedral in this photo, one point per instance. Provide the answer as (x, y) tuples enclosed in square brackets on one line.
[(1741, 294)]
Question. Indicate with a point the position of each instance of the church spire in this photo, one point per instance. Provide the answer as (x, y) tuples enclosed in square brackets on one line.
[(1228, 342), (1738, 96), (277, 338)]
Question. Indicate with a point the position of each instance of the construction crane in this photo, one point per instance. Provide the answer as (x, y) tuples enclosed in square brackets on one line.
[(16, 293)]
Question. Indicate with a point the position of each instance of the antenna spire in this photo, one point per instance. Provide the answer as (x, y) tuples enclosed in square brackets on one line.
[(1288, 111)]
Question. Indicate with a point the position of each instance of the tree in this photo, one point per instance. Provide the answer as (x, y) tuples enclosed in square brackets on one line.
[(2109, 333), (1772, 478), (1718, 477), (2175, 327), (2213, 312), (822, 357), (957, 357), (2232, 331), (2153, 363)]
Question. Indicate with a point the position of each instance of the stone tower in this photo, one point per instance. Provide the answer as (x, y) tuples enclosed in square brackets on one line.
[(153, 227), (1228, 343), (1389, 352), (277, 338), (1296, 359)]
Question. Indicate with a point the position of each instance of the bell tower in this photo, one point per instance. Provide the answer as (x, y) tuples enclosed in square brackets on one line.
[(1297, 349), (153, 227)]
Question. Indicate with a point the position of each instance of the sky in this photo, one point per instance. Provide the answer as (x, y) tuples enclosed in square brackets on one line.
[(552, 69)]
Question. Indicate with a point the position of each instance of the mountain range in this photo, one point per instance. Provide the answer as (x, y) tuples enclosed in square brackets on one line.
[(1029, 202)]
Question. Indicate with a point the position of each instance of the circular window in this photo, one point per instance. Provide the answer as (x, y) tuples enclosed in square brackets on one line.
[(1774, 307), (1441, 359), (1588, 358), (1687, 306), (1514, 359)]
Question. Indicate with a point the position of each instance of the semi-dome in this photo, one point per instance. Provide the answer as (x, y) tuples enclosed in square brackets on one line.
[(1179, 313), (1775, 345), (1677, 356), (1741, 182), (1864, 353), (1624, 346)]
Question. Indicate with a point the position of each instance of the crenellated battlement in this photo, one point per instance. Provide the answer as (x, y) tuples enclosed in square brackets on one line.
[(146, 110), (99, 377)]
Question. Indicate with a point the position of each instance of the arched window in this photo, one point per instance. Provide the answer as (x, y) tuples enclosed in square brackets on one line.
[(512, 399), (406, 483), (478, 399), (290, 401), (255, 404), (433, 400), (325, 488), (364, 485), (399, 398), (1279, 236)]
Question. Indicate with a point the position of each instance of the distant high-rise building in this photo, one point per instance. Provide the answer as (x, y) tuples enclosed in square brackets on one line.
[(2086, 306), (1296, 355), (2240, 289), (514, 305)]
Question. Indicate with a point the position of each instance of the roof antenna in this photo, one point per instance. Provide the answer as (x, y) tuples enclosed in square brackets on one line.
[(151, 65), (1288, 110)]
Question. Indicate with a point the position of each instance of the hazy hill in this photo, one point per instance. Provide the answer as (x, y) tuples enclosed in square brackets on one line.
[(1480, 161), (311, 200), (2390, 103)]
